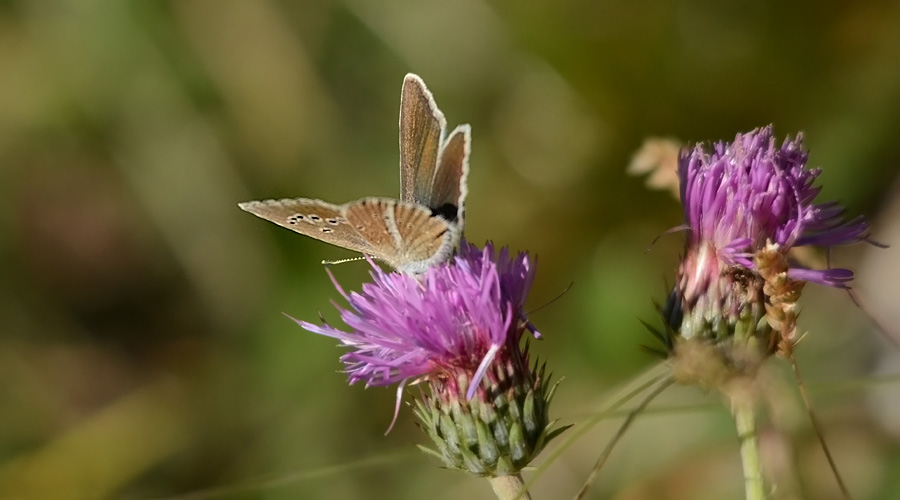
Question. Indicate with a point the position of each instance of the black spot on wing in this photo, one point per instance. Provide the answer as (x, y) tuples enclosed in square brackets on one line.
[(447, 211)]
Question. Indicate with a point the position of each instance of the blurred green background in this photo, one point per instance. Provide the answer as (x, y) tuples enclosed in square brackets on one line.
[(143, 350)]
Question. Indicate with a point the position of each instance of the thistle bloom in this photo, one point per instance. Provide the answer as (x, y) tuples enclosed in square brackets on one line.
[(746, 204), (750, 192), (457, 328)]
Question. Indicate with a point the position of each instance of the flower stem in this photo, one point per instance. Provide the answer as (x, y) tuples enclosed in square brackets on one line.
[(745, 421), (621, 432), (815, 423), (509, 487)]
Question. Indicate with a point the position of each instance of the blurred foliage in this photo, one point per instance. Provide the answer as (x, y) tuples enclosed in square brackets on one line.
[(143, 353)]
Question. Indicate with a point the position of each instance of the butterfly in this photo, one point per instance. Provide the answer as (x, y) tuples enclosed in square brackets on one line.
[(420, 229)]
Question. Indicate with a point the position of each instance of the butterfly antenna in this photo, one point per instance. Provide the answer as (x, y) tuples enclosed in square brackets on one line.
[(815, 423), (554, 299), (632, 415), (342, 261)]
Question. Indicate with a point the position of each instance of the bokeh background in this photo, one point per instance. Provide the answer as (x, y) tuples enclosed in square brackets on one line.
[(143, 350)]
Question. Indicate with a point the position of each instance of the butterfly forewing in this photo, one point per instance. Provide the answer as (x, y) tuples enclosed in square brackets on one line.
[(315, 218), (421, 131)]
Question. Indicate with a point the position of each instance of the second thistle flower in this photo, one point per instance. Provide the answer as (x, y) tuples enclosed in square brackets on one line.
[(746, 204)]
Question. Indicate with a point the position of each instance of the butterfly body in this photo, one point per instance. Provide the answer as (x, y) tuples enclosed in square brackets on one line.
[(420, 229)]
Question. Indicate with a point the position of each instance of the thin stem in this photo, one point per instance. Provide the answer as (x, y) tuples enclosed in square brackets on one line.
[(745, 421), (509, 487), (815, 423), (588, 424), (632, 415)]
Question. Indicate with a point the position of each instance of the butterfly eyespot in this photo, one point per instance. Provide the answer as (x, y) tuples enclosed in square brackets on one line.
[(333, 221), (327, 230), (314, 218), (295, 218), (447, 211)]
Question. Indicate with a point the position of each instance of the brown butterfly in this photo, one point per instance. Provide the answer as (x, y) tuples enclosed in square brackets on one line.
[(422, 227)]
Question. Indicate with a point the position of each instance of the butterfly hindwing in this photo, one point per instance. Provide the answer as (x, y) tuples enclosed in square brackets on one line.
[(426, 238), (371, 219), (448, 193), (404, 235)]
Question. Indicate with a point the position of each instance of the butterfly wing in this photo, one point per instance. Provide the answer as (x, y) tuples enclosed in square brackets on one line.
[(433, 170), (405, 235), (421, 228), (448, 193), (314, 218), (421, 132)]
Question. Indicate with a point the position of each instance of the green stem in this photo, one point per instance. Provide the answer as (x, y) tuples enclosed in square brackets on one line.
[(815, 423), (622, 397), (509, 487), (745, 421), (621, 432)]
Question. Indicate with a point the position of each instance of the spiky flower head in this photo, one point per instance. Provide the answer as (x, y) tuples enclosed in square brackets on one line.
[(457, 328), (746, 204)]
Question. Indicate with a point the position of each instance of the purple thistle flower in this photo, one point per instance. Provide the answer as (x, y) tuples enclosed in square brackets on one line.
[(454, 316), (746, 205), (744, 194), (457, 327)]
